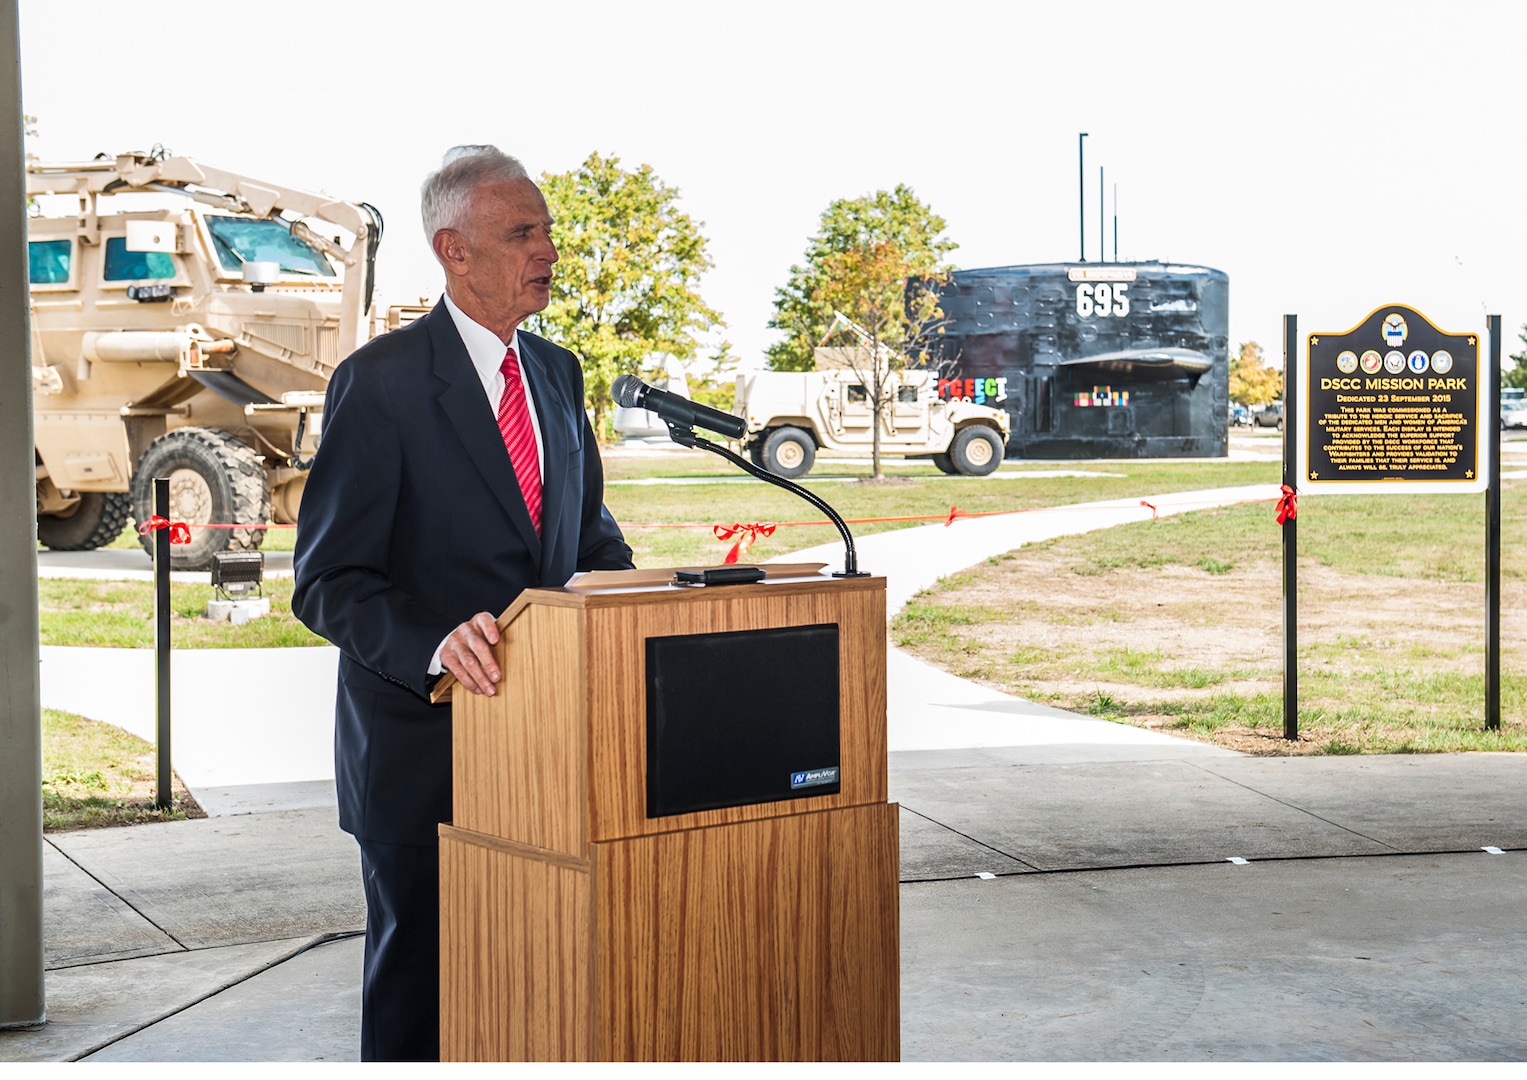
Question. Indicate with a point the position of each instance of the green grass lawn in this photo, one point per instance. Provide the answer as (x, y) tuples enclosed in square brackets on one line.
[(1171, 624), (1176, 624), (94, 774), (907, 492), (76, 612), (120, 614)]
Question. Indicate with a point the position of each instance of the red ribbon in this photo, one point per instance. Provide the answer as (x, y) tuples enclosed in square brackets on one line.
[(745, 535), (1151, 507), (954, 512), (180, 532), (1288, 505)]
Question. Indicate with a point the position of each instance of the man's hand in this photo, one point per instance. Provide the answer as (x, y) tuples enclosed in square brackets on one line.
[(468, 653)]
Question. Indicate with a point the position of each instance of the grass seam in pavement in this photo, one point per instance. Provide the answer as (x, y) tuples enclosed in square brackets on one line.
[(1284, 802), (1063, 870), (967, 836), (319, 939)]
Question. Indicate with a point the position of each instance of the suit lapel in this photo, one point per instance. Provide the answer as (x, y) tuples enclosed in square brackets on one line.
[(474, 423), (552, 411)]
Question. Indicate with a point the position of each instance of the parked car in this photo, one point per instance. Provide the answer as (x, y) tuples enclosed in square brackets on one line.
[(1240, 415), (1513, 413), (1270, 415)]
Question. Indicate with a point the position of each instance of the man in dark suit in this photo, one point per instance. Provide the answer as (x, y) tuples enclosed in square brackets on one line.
[(457, 468)]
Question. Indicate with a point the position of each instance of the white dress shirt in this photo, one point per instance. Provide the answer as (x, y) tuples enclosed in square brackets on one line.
[(487, 352)]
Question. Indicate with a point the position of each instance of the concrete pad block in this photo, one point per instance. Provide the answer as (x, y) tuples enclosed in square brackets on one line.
[(232, 880), (90, 1006), (931, 852), (1138, 813), (249, 608), (307, 1008), (266, 798), (1411, 802), (84, 922), (1372, 959)]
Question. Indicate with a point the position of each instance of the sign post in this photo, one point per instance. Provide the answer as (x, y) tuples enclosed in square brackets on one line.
[(1291, 394), (1397, 405), (1492, 541)]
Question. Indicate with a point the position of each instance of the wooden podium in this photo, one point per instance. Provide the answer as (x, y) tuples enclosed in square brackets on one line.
[(576, 924)]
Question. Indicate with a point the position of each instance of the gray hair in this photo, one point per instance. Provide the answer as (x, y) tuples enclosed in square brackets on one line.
[(446, 192)]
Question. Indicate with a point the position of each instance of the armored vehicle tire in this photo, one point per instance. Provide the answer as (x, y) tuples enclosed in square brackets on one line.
[(214, 479), (789, 452), (755, 452), (945, 464), (976, 450), (95, 521)]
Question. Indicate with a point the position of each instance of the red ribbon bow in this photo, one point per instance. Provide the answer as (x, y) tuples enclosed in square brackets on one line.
[(1288, 505), (745, 535), (180, 532), (954, 512), (1151, 507)]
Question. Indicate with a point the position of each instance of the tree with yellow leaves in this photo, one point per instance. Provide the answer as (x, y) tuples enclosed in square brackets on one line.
[(1252, 382)]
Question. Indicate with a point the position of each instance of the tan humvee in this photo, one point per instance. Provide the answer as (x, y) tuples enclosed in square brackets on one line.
[(185, 323), (793, 414)]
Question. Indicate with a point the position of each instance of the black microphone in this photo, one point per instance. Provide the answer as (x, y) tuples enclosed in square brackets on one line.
[(631, 393)]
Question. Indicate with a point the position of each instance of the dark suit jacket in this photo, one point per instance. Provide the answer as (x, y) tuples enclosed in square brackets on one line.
[(412, 522)]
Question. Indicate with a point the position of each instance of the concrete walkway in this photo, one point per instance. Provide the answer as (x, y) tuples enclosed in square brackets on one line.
[(248, 720), (1072, 889)]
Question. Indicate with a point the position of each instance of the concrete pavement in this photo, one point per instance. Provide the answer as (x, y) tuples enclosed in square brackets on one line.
[(1051, 910), (1072, 889)]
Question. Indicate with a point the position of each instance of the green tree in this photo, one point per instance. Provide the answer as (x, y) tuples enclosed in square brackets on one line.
[(1516, 375), (894, 313), (1252, 382), (889, 225), (625, 295)]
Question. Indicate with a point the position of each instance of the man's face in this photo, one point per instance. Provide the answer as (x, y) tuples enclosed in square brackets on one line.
[(508, 241)]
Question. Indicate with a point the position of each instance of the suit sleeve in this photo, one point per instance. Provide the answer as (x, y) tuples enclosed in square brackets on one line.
[(344, 590), (601, 546)]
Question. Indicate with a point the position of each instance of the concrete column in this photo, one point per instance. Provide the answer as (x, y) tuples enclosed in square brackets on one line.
[(21, 991)]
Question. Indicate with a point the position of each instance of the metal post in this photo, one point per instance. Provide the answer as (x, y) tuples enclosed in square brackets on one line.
[(1102, 232), (1492, 535), (22, 1003), (164, 790), (1290, 531), (1116, 223), (1081, 194)]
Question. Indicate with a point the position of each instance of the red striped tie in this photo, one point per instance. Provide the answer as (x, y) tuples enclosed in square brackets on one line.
[(520, 437)]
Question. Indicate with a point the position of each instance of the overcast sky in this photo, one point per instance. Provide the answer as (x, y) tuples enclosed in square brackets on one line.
[(1330, 157)]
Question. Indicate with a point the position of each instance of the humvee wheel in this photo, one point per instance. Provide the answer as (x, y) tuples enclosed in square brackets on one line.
[(214, 479), (945, 464), (977, 450), (95, 521), (789, 452)]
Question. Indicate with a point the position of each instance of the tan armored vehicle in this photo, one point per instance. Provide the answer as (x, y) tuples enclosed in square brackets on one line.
[(793, 414), (185, 324)]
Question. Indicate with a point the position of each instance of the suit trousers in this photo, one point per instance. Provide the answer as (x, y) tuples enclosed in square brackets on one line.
[(400, 988)]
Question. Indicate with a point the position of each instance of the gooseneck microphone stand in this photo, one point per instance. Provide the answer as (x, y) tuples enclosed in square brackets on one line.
[(685, 436)]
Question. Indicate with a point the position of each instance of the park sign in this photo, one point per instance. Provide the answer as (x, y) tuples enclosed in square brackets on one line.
[(1394, 405)]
